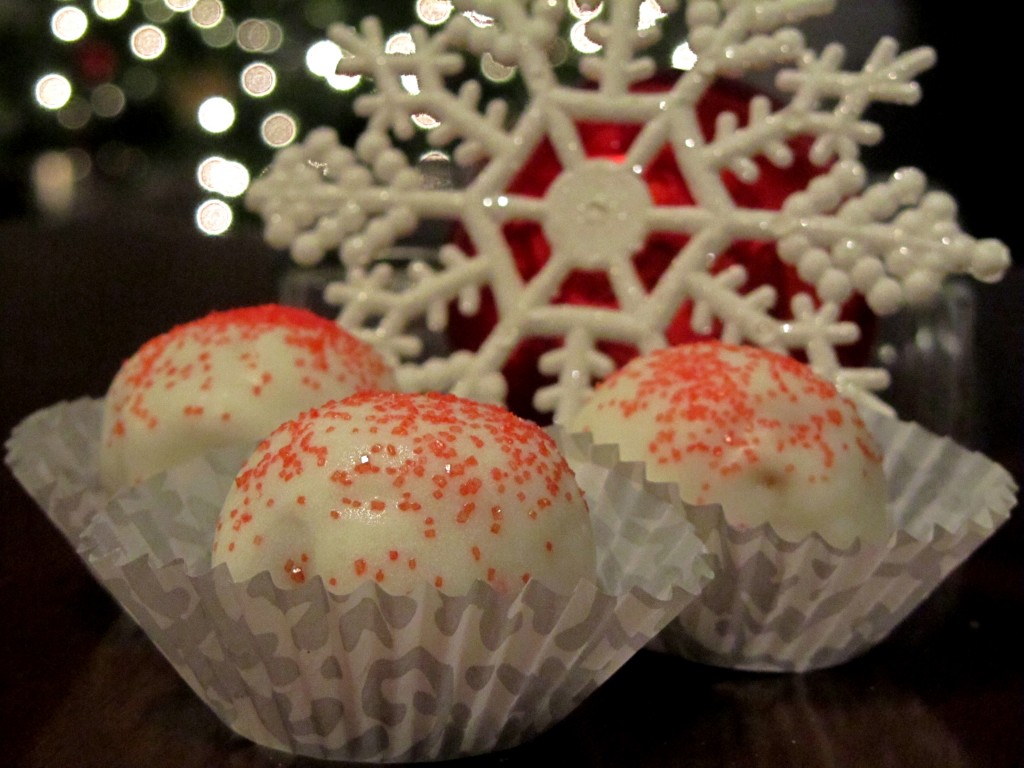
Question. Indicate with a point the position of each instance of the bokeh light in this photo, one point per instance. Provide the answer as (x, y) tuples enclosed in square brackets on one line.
[(683, 56), (259, 79), (76, 114), (425, 121), (53, 182), (259, 35), (322, 57), (322, 60), (207, 13), (279, 130), (583, 10), (579, 40), (110, 10), (224, 177), (648, 14), (53, 91), (69, 23), (220, 35), (214, 217), (157, 12), (216, 114), (494, 70), (401, 43), (258, 45), (478, 19), (434, 12), (108, 100), (148, 42)]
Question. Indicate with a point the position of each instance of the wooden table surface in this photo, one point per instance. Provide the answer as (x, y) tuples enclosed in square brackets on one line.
[(81, 686)]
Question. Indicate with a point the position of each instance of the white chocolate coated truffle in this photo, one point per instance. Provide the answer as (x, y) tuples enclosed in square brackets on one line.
[(403, 489), (228, 378), (754, 430)]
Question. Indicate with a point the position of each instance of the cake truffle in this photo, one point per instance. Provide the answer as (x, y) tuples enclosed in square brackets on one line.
[(755, 431), (230, 377), (403, 489)]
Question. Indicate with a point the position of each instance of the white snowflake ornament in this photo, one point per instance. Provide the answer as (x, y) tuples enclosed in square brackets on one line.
[(598, 213)]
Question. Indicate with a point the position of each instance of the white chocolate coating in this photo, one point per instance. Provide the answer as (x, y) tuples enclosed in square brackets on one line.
[(406, 488), (753, 430), (228, 378)]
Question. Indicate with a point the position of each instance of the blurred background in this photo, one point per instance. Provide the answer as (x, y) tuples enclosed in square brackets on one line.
[(108, 97), (140, 124)]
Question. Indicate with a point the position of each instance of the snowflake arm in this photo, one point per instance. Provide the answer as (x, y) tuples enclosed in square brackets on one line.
[(744, 316), (395, 102), (400, 103), (319, 195), (516, 37), (365, 294), (618, 67), (891, 256), (481, 135), (735, 36), (577, 364), (372, 294), (818, 332), (886, 78)]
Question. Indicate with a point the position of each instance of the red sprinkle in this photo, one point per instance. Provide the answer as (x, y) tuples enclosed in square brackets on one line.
[(428, 448)]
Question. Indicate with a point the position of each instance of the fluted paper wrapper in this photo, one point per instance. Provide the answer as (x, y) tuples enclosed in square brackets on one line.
[(779, 606), (365, 676)]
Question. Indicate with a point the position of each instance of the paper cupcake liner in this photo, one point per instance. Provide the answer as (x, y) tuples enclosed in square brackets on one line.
[(779, 606), (365, 676), (54, 457)]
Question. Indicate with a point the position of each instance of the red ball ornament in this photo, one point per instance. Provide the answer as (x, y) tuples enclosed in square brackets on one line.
[(667, 186), (96, 61)]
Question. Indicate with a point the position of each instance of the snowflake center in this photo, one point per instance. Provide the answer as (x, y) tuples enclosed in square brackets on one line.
[(595, 213)]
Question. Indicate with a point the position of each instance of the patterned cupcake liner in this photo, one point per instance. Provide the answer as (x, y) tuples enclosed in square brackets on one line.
[(365, 676), (778, 606)]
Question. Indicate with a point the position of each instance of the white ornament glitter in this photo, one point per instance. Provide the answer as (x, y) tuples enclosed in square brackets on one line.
[(893, 242)]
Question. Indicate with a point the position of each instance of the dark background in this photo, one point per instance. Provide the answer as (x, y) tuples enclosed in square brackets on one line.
[(80, 686)]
